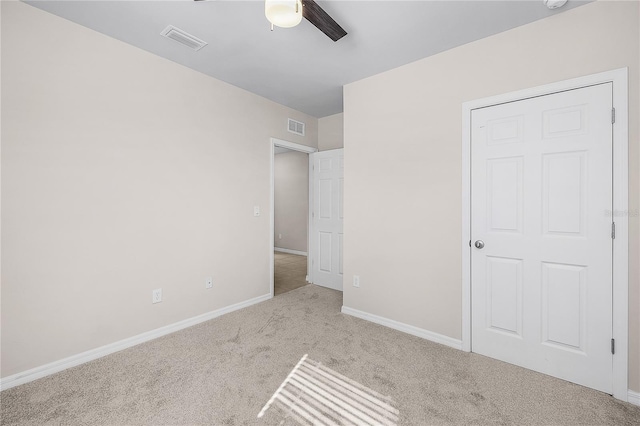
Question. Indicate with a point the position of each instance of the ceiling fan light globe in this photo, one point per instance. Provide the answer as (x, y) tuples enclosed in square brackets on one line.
[(283, 13)]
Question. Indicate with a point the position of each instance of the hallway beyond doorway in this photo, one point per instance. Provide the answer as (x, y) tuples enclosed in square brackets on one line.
[(290, 271)]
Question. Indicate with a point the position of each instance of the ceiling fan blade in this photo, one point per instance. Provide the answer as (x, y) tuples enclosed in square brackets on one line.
[(321, 19)]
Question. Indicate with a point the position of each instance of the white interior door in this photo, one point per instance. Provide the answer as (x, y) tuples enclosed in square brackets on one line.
[(327, 217), (541, 185)]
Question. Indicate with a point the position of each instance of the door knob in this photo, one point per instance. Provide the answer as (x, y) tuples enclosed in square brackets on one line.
[(479, 244)]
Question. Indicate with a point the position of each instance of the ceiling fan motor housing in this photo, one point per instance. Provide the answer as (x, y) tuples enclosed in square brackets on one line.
[(554, 4), (283, 13)]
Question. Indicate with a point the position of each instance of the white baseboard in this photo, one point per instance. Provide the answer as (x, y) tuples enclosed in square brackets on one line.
[(84, 357), (405, 328), (634, 397), (284, 250)]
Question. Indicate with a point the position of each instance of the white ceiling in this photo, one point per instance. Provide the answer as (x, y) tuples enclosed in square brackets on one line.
[(301, 67)]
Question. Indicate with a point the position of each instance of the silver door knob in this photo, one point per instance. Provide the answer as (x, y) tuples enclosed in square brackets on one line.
[(479, 244)]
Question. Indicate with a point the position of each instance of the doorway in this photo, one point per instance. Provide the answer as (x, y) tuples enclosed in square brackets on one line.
[(290, 213), (544, 265)]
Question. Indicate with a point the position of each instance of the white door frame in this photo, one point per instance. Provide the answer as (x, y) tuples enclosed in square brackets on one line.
[(619, 78), (294, 147)]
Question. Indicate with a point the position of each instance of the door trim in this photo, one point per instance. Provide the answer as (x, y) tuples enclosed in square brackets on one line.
[(272, 223), (619, 78)]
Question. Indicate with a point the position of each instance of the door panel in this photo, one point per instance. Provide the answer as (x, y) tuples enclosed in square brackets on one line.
[(541, 182), (564, 193), (325, 196), (504, 284), (324, 258), (340, 253), (504, 304), (563, 305), (504, 193), (326, 239)]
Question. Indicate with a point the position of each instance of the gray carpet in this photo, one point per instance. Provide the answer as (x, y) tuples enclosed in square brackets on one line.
[(222, 372)]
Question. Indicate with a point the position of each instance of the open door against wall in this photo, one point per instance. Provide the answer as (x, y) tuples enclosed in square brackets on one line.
[(326, 236)]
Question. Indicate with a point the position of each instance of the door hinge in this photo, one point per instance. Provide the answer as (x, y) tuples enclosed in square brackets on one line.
[(613, 115), (613, 230), (613, 346)]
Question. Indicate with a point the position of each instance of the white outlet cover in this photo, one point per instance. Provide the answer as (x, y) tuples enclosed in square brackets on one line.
[(256, 210), (208, 282), (156, 295), (356, 281)]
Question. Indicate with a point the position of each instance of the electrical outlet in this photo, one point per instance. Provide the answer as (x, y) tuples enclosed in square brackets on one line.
[(256, 210), (208, 282), (356, 280), (156, 295), (279, 236)]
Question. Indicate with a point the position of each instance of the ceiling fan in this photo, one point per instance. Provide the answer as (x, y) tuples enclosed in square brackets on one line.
[(313, 13), (289, 13)]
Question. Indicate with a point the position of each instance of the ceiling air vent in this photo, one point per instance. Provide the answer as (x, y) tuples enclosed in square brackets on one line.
[(184, 38), (296, 127)]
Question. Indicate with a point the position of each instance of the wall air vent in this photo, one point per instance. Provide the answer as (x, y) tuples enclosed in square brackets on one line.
[(296, 127), (184, 38)]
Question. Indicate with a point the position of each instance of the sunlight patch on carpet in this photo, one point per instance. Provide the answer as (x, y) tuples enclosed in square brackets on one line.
[(313, 394)]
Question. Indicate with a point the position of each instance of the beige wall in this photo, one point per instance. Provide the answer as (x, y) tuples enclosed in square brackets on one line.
[(291, 200), (403, 182), (331, 132), (123, 172)]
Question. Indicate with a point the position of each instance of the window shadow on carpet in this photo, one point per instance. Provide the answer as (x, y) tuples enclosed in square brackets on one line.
[(313, 394)]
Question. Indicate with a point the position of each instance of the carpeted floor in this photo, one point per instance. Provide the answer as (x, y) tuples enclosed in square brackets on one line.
[(222, 372)]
